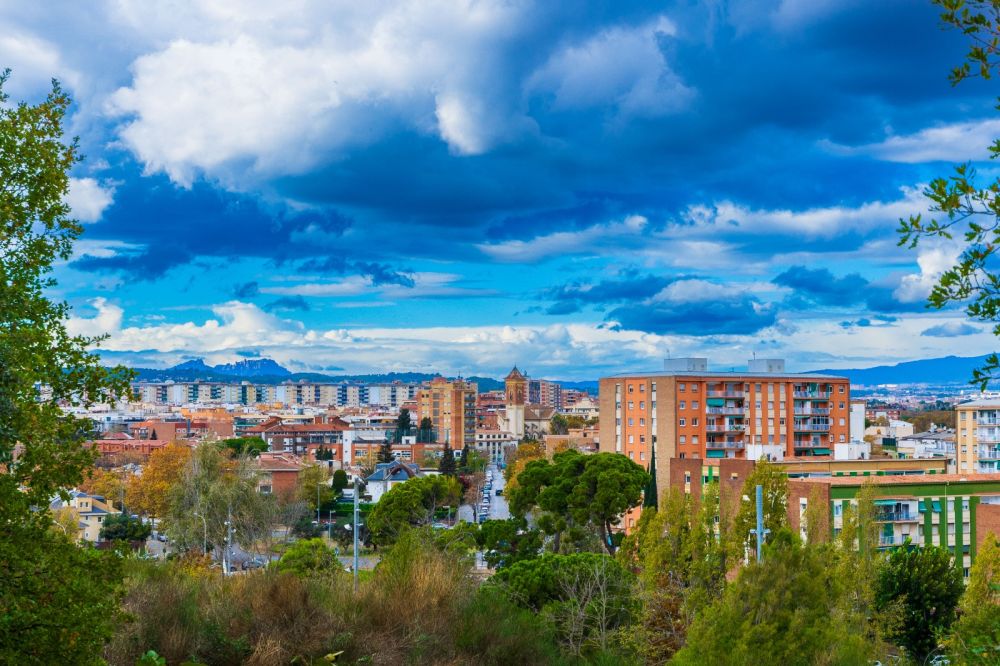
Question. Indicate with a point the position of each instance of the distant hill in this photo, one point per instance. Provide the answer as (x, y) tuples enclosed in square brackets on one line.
[(946, 370), (267, 371)]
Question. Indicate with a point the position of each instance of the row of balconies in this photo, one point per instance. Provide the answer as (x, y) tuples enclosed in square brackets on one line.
[(725, 393), (725, 427), (813, 426), (813, 395), (810, 411)]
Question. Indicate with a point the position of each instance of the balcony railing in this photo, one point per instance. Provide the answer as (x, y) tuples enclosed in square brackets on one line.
[(725, 393), (725, 444), (988, 434), (987, 453), (731, 411), (812, 395), (811, 427), (896, 517), (884, 541), (811, 411)]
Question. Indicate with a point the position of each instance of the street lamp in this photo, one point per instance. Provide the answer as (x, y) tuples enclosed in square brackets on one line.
[(204, 543)]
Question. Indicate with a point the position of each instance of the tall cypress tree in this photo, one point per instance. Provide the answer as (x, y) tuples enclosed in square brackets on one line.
[(447, 465), (649, 498)]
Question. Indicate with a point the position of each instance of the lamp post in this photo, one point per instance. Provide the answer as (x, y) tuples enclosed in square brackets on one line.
[(204, 543), (356, 493)]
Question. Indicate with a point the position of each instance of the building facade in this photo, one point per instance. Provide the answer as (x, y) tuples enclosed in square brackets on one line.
[(688, 412), (977, 436), (451, 407)]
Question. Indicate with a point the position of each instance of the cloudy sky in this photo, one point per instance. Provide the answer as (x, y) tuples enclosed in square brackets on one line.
[(580, 188)]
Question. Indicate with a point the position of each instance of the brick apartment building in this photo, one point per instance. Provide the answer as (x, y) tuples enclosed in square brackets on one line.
[(451, 407), (977, 436), (689, 412)]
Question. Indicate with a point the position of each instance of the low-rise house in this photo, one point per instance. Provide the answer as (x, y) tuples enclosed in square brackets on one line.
[(387, 475), (92, 511), (279, 474)]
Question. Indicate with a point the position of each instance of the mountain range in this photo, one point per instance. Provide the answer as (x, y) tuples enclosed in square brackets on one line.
[(936, 371)]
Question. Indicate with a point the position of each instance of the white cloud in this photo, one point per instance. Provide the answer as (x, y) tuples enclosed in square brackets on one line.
[(34, 62), (273, 92), (957, 142), (621, 66), (87, 198), (108, 319), (565, 242), (933, 259), (425, 284)]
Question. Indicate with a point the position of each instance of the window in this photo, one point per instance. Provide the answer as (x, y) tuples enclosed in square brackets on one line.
[(642, 439), (631, 455), (682, 422), (694, 439), (682, 439), (694, 423), (781, 421), (652, 405), (841, 420), (631, 439), (694, 404), (642, 421), (770, 405), (642, 404), (841, 406), (682, 405), (642, 388), (680, 387), (842, 439), (694, 388), (631, 421), (642, 455), (630, 388), (631, 405)]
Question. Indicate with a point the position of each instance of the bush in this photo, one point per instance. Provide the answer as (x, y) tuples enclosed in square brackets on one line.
[(309, 557)]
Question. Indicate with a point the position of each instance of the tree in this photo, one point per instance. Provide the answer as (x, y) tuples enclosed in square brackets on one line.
[(789, 609), (525, 452), (152, 434), (975, 638), (928, 585), (558, 425), (506, 542), (106, 483), (149, 492), (584, 597), (66, 522), (123, 527), (251, 446), (775, 483), (411, 504), (403, 424), (309, 557), (385, 452), (314, 485), (463, 459), (426, 432), (340, 481), (575, 491), (649, 493), (971, 211), (447, 464), (57, 602)]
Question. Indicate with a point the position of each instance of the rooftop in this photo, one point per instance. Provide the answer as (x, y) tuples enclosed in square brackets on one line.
[(906, 479), (982, 402), (735, 374)]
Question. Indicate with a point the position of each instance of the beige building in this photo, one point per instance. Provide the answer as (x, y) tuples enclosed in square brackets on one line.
[(92, 511), (977, 436), (451, 407)]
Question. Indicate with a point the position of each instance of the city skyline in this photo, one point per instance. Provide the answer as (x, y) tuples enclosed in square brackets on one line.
[(449, 187)]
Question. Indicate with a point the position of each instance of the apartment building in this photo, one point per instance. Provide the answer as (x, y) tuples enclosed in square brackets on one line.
[(689, 412), (977, 436), (91, 510), (301, 393), (954, 511), (451, 407), (544, 393)]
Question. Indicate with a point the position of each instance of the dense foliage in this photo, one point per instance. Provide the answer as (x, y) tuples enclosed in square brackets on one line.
[(123, 527)]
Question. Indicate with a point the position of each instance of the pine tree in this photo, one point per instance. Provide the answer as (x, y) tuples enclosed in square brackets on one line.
[(152, 434), (385, 452), (447, 465), (463, 459)]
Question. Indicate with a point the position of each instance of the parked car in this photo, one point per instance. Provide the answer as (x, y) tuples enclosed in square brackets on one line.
[(254, 563), (161, 537), (499, 492)]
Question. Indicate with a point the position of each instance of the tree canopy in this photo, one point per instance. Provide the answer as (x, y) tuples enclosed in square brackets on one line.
[(251, 446), (411, 504)]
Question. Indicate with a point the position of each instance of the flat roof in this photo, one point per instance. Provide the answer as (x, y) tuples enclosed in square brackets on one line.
[(983, 402), (904, 479), (728, 375)]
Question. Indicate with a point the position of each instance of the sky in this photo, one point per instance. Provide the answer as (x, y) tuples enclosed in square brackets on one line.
[(580, 188)]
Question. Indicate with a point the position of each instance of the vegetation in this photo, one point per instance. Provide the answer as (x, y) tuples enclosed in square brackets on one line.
[(447, 465), (976, 635), (248, 446), (123, 527), (411, 504), (309, 557), (149, 493), (58, 602)]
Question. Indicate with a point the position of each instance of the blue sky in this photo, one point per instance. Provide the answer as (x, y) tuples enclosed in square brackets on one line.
[(580, 188)]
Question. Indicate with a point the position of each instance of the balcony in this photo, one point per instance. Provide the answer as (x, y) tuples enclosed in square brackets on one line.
[(988, 453), (725, 427), (812, 395), (725, 393), (896, 517), (887, 541), (725, 444), (811, 411), (726, 411), (811, 427), (988, 434)]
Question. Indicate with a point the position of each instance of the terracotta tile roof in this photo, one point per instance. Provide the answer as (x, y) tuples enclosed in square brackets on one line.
[(904, 479)]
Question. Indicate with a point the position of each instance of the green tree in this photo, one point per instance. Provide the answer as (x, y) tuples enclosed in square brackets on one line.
[(975, 637), (775, 483), (57, 602), (650, 495), (411, 504), (463, 459), (403, 424), (558, 425), (123, 527), (789, 609), (506, 542), (575, 491), (251, 446), (385, 452), (309, 557), (971, 210), (340, 481), (426, 431), (584, 597), (314, 485), (447, 465), (928, 585)]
